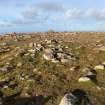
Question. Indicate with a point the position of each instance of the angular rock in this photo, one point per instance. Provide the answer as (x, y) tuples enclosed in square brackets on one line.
[(31, 44), (19, 64), (69, 99), (39, 47), (32, 51), (64, 60), (89, 72), (74, 68), (99, 67), (55, 61), (84, 79), (101, 48), (48, 54)]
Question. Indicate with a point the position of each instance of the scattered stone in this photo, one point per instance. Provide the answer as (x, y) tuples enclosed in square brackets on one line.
[(31, 44), (48, 54), (101, 48), (21, 78), (48, 41), (60, 55), (26, 95), (35, 70), (103, 64), (75, 68), (99, 67), (84, 79), (27, 54), (98, 88), (19, 64), (5, 87), (3, 44), (6, 68), (64, 60), (5, 49), (32, 51), (39, 47), (55, 61)]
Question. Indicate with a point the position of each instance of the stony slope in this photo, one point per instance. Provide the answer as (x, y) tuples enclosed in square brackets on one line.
[(51, 64)]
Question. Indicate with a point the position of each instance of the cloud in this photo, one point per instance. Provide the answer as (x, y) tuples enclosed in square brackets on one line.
[(73, 13), (36, 14), (42, 12), (98, 15), (39, 13), (30, 21), (43, 8), (51, 7), (31, 13), (5, 24)]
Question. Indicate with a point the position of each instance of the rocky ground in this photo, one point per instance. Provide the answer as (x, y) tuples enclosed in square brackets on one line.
[(40, 68)]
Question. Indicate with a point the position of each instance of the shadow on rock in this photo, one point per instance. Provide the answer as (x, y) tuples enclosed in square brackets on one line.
[(35, 100)]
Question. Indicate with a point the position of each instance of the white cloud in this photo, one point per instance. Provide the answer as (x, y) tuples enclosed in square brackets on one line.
[(94, 14), (101, 15), (73, 13), (91, 12), (38, 13), (51, 6), (5, 24)]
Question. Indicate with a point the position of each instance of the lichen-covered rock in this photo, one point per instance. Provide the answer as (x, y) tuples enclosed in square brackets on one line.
[(69, 99)]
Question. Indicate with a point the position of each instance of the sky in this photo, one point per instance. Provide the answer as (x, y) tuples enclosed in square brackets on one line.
[(57, 15)]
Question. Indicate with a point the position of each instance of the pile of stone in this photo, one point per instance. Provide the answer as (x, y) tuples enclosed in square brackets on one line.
[(56, 53)]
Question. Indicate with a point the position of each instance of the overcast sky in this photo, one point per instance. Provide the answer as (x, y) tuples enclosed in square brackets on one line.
[(58, 15)]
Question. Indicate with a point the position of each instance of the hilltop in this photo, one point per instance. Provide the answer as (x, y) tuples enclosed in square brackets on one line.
[(51, 64)]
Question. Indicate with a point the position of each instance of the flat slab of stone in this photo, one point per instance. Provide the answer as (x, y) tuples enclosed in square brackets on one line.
[(99, 67), (84, 79)]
